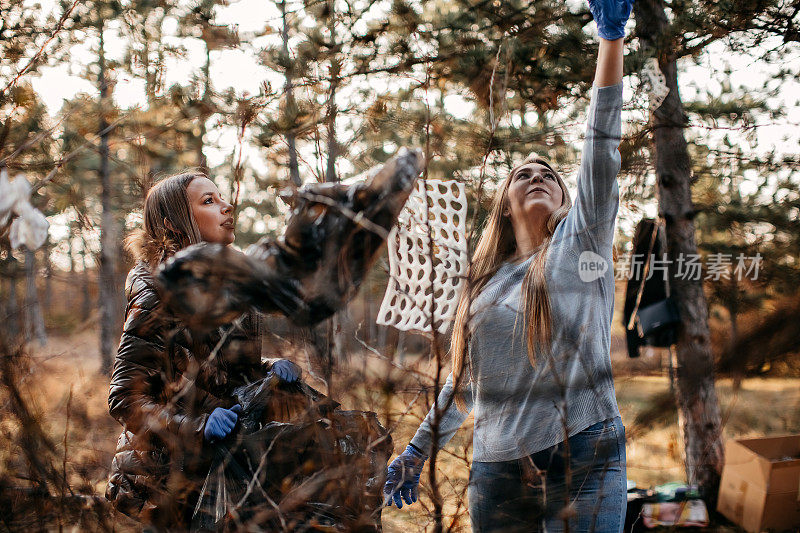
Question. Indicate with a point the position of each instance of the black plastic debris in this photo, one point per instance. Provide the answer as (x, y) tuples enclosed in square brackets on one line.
[(296, 462), (332, 237)]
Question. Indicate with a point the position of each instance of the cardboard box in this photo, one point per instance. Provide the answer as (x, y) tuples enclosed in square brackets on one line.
[(760, 486)]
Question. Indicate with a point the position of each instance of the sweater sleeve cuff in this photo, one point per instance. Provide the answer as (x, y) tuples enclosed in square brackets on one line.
[(607, 97), (422, 442), (421, 453)]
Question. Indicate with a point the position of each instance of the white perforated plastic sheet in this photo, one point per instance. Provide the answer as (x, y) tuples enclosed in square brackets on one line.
[(656, 83), (412, 293)]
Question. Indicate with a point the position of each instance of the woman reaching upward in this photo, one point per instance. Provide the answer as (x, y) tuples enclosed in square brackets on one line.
[(531, 339)]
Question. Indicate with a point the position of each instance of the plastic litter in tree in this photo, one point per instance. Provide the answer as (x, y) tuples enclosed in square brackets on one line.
[(425, 283)]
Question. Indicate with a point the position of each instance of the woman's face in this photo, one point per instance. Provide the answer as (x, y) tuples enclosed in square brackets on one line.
[(533, 194), (214, 216)]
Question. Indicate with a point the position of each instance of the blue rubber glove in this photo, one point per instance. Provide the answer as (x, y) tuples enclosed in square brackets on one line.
[(286, 370), (402, 481), (221, 422), (611, 16)]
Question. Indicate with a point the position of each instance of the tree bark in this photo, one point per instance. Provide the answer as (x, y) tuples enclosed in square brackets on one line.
[(108, 247), (695, 393), (202, 161), (733, 310), (48, 275), (34, 322), (294, 168), (335, 338), (330, 172), (70, 292), (71, 252), (10, 300), (86, 301)]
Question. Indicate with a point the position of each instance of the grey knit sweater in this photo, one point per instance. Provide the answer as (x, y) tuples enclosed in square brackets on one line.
[(520, 409)]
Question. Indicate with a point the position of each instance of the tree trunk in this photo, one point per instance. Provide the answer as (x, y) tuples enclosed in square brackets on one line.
[(731, 301), (48, 275), (70, 293), (10, 300), (202, 162), (34, 322), (149, 85), (294, 168), (336, 342), (367, 319), (734, 324), (86, 301), (330, 172), (108, 247), (695, 393), (71, 253)]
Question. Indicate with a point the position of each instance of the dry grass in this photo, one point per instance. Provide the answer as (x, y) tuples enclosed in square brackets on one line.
[(69, 364), (759, 407), (69, 399)]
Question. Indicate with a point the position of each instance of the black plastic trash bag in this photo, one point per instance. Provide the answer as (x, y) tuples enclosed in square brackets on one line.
[(333, 235), (295, 463)]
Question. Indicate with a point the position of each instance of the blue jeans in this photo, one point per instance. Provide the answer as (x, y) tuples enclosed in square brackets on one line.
[(534, 494)]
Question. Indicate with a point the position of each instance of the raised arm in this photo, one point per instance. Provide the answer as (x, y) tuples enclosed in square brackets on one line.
[(609, 63), (592, 218), (610, 17)]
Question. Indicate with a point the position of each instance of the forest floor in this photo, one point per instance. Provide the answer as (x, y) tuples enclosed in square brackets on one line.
[(70, 396)]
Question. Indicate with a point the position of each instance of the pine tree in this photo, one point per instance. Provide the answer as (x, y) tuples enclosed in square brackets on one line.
[(199, 23), (688, 30)]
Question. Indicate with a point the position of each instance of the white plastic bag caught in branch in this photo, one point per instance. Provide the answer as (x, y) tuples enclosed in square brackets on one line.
[(29, 228), (412, 291), (13, 195), (28, 225)]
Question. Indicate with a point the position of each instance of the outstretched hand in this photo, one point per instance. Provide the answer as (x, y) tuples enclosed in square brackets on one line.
[(402, 480), (611, 17)]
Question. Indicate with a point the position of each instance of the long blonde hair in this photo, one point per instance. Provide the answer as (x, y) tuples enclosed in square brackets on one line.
[(496, 245)]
